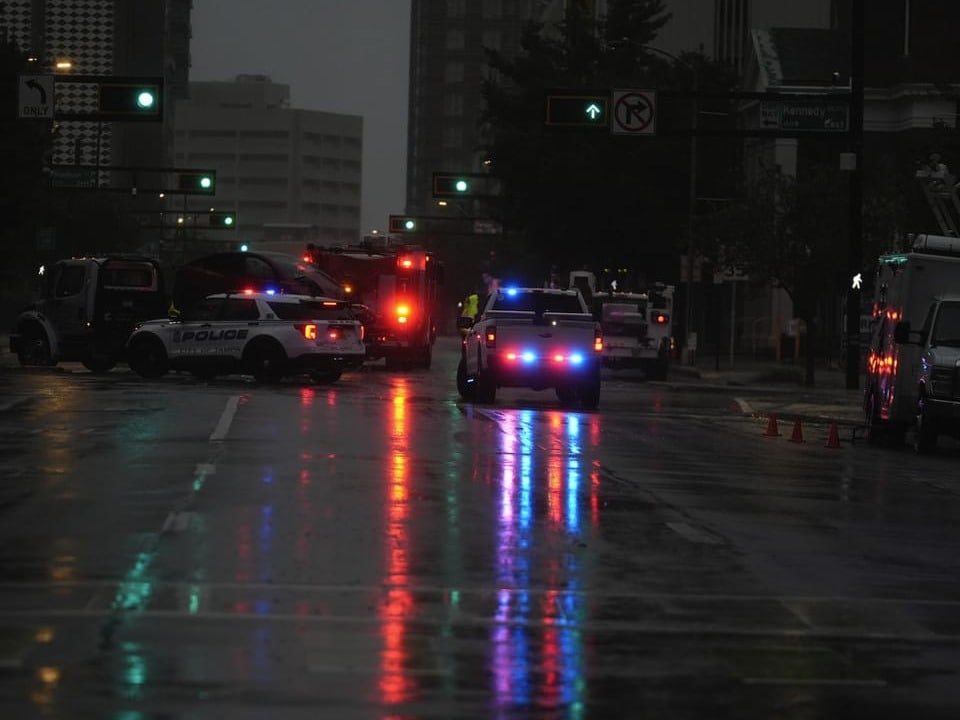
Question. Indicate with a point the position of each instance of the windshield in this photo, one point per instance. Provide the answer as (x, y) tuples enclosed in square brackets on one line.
[(946, 329), (538, 302), (310, 310)]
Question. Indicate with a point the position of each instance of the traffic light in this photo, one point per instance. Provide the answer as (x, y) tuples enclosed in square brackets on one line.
[(221, 219), (577, 110), (445, 185), (197, 182), (402, 224), (129, 99)]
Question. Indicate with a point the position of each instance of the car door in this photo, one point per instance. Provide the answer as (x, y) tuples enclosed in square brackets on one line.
[(66, 304), (191, 338)]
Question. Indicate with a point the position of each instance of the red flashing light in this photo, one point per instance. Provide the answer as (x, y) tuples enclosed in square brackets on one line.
[(661, 318), (334, 334), (405, 263), (248, 291)]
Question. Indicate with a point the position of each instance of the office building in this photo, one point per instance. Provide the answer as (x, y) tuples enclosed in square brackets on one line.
[(275, 165)]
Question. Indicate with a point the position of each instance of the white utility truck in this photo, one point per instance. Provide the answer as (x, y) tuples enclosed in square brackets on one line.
[(913, 364)]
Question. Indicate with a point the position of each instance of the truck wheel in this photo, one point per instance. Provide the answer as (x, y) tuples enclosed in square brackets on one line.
[(34, 347), (566, 394), (148, 359), (924, 434), (486, 388), (99, 363), (466, 388), (590, 395), (325, 377), (265, 361), (872, 417)]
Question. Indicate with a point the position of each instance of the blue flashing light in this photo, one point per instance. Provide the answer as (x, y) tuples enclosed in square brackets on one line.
[(512, 292), (529, 357), (576, 358), (271, 291)]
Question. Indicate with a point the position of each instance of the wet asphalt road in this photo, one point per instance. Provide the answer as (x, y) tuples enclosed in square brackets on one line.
[(378, 549)]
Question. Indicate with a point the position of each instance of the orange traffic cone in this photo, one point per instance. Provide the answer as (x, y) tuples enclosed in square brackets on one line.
[(797, 435), (833, 440), (772, 430)]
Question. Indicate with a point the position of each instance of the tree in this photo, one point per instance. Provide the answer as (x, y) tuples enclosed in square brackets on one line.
[(792, 232), (581, 197)]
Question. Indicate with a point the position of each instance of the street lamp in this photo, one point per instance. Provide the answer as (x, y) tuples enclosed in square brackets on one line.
[(694, 115)]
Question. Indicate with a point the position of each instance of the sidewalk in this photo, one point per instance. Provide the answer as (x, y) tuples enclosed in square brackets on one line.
[(766, 387)]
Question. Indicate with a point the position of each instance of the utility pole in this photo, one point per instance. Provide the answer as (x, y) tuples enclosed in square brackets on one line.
[(855, 223)]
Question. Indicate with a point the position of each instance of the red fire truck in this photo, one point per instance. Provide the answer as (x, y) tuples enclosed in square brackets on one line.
[(394, 290)]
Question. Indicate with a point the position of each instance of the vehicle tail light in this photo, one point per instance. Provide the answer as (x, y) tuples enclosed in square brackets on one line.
[(490, 339), (660, 318), (597, 340), (363, 332), (248, 291), (335, 334), (308, 330), (403, 314), (405, 263)]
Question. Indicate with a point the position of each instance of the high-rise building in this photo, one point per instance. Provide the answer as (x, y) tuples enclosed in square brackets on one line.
[(447, 66), (104, 38), (275, 165)]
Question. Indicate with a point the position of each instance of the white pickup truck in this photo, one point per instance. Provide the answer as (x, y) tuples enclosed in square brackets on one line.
[(534, 338)]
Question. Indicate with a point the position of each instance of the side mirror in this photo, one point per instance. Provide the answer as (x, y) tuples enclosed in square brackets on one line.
[(464, 322), (901, 332)]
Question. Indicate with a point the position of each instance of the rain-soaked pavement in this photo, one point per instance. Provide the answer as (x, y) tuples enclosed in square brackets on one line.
[(378, 549)]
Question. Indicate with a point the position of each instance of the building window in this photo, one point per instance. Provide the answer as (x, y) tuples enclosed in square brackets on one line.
[(264, 135), (492, 9), (456, 8), (452, 137), (491, 39), (453, 72), (453, 105), (211, 157), (221, 134), (454, 39), (263, 157)]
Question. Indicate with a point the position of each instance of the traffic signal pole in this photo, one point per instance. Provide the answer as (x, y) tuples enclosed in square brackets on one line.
[(855, 223)]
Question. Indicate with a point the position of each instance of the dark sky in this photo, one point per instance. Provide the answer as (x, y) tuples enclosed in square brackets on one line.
[(345, 56)]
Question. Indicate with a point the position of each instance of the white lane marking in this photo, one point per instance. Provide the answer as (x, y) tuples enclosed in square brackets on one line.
[(745, 407), (178, 521), (223, 426), (694, 534), (809, 682), (641, 628), (537, 591)]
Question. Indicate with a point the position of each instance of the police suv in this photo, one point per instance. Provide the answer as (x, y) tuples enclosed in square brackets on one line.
[(266, 335)]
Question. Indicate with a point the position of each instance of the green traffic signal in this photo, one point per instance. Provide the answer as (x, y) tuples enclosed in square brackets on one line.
[(402, 224), (451, 185), (197, 182), (577, 110), (222, 219), (129, 100)]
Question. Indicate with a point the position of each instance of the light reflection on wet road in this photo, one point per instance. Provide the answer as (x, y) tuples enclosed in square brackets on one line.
[(376, 549)]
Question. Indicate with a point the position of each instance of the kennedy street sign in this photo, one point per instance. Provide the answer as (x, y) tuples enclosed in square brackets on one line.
[(807, 115)]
